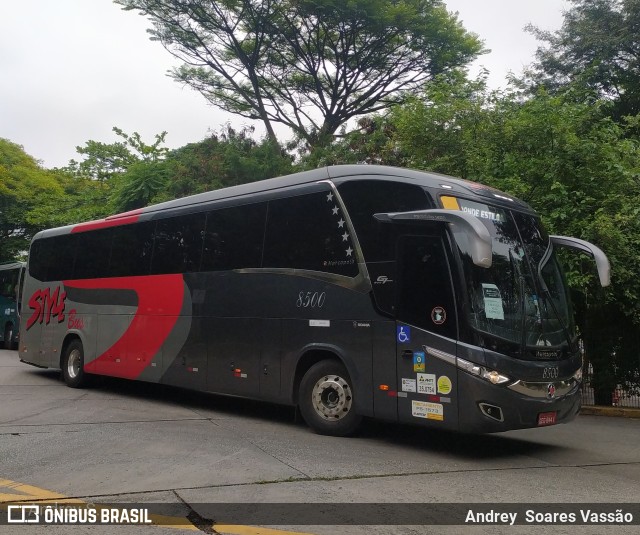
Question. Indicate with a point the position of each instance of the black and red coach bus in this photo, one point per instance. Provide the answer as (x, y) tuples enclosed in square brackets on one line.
[(349, 291)]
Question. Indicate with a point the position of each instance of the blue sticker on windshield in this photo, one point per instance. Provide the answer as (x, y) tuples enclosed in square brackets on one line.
[(404, 334)]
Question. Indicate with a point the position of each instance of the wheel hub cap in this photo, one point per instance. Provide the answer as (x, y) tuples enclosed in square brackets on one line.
[(332, 397)]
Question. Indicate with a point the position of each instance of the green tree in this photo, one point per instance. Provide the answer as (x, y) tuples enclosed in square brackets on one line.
[(104, 160), (308, 65), (138, 185), (227, 158), (124, 175), (25, 188), (371, 142), (598, 48)]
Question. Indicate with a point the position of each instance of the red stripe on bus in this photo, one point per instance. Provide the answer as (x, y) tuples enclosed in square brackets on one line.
[(112, 221), (160, 299)]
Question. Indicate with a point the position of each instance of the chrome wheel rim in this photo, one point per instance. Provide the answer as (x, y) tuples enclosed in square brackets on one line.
[(73, 364), (332, 397)]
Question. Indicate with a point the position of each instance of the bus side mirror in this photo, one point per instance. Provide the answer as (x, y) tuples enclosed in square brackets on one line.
[(602, 262), (466, 228)]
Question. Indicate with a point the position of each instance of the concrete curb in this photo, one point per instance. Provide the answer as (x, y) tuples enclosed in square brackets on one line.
[(624, 412)]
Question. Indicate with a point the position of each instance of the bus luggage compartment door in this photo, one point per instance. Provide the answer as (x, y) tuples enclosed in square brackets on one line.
[(426, 334), (234, 349)]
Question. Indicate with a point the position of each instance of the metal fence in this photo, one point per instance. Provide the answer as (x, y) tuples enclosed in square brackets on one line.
[(620, 397)]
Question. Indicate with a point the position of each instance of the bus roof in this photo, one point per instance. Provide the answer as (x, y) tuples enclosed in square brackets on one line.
[(337, 173)]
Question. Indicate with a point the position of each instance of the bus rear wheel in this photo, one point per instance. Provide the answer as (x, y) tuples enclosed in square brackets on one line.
[(73, 365), (327, 399)]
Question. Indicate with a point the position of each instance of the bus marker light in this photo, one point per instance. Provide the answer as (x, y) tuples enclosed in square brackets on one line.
[(392, 393), (384, 387)]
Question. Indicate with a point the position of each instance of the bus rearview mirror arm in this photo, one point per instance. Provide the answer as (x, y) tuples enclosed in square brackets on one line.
[(601, 260), (461, 223)]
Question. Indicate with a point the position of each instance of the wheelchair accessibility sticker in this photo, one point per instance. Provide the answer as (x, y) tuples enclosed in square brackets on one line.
[(404, 334)]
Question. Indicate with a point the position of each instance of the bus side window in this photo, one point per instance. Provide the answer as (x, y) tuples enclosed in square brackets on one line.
[(94, 251), (177, 246), (309, 232), (131, 250), (364, 198), (62, 257), (233, 237)]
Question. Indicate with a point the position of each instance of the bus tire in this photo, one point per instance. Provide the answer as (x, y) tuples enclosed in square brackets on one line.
[(327, 400), (73, 365), (8, 335)]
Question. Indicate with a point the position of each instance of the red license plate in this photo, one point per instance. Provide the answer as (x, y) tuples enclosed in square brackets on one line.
[(547, 418)]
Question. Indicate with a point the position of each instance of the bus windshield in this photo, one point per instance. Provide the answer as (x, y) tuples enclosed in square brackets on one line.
[(522, 298)]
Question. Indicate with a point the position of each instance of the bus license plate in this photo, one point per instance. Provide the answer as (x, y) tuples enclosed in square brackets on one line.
[(547, 418)]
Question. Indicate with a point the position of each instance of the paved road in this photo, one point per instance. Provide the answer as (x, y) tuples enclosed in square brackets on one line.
[(123, 441)]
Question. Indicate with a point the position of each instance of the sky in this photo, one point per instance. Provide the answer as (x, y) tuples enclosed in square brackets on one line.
[(71, 70)]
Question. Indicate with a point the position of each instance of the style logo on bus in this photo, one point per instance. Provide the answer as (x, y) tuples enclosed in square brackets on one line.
[(46, 305), (74, 321)]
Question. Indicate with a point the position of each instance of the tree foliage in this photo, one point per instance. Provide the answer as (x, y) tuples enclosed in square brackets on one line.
[(310, 66), (102, 160), (598, 48), (227, 158), (136, 174), (125, 174), (25, 188)]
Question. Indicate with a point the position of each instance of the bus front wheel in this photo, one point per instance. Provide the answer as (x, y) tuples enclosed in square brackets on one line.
[(73, 365), (327, 399)]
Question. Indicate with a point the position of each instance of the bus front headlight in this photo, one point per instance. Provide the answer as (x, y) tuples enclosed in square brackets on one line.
[(493, 376)]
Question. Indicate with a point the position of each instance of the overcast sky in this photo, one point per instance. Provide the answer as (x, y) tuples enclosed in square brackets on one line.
[(72, 69)]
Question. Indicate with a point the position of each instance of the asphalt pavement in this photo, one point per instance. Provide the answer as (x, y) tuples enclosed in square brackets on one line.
[(125, 442)]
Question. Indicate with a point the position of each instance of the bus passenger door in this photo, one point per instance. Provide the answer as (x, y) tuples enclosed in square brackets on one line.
[(426, 332)]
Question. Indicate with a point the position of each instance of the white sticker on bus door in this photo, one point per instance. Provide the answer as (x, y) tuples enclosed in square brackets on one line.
[(493, 309), (426, 383)]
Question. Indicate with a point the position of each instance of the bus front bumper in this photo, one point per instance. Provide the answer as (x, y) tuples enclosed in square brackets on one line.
[(488, 408)]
